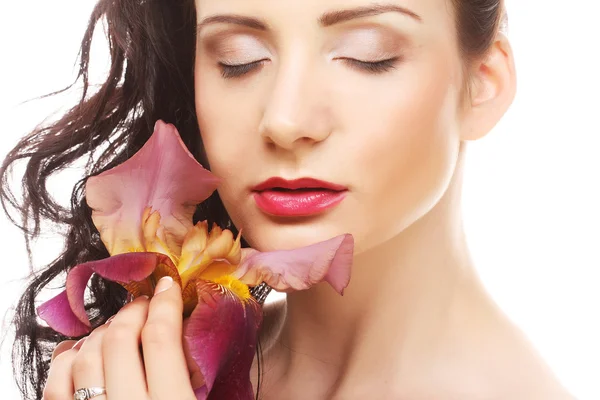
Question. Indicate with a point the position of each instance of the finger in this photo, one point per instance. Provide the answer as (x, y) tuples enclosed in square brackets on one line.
[(59, 385), (88, 366), (166, 369), (123, 366), (62, 347)]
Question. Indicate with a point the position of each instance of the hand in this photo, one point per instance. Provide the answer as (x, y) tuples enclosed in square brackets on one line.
[(110, 356)]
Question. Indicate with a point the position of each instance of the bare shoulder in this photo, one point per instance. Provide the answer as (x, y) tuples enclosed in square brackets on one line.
[(495, 376), (531, 380), (492, 360), (514, 368)]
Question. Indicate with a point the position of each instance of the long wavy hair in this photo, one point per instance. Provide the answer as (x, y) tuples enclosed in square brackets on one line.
[(152, 49)]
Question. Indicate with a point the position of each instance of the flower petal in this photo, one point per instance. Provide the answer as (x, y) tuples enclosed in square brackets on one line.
[(220, 245), (66, 312), (235, 254), (192, 251), (128, 267), (201, 251), (216, 270), (154, 240), (163, 175), (201, 393), (131, 270), (163, 266), (221, 336), (301, 268), (57, 313)]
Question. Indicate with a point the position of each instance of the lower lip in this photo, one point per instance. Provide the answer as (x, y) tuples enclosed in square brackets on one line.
[(297, 203)]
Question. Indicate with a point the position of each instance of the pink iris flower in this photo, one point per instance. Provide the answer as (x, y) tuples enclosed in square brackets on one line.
[(143, 211)]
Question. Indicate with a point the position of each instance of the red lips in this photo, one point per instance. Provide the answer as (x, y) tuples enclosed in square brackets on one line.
[(297, 198)]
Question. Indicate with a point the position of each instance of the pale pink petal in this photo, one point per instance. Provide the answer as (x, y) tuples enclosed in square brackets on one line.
[(221, 336), (163, 175), (299, 269)]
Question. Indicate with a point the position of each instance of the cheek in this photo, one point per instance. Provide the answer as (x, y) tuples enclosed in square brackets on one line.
[(404, 152), (228, 118), (227, 125)]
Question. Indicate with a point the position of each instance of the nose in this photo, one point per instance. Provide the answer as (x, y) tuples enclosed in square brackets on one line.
[(297, 112)]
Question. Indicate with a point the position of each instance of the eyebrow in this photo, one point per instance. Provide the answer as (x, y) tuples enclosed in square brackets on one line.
[(249, 22), (328, 19), (336, 17)]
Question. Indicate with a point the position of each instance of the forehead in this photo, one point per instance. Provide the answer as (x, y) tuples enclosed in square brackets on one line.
[(434, 13)]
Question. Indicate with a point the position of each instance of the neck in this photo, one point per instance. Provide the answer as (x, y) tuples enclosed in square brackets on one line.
[(404, 297)]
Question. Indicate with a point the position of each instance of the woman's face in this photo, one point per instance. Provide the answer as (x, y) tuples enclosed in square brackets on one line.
[(363, 97)]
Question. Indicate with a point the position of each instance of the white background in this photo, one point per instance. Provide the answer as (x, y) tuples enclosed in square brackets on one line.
[(531, 198)]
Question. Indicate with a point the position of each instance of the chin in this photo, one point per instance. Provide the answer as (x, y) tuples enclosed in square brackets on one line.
[(273, 234)]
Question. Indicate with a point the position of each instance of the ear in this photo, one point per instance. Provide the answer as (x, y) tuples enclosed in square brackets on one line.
[(493, 87)]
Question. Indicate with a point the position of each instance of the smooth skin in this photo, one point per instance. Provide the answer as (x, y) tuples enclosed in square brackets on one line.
[(110, 356)]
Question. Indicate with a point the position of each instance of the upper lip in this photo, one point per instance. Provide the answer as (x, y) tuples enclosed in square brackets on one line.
[(301, 183)]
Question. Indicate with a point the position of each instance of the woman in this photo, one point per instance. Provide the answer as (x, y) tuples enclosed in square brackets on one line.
[(373, 103)]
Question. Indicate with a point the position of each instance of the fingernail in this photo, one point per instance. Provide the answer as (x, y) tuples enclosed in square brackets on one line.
[(77, 345), (163, 284)]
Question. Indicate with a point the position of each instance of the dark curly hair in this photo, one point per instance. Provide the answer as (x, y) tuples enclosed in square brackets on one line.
[(152, 49)]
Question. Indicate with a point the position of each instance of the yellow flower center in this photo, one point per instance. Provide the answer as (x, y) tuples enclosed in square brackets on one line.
[(238, 287)]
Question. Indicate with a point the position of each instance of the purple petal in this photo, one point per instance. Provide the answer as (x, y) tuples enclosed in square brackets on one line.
[(201, 393), (221, 336), (66, 312), (77, 280), (131, 271), (299, 269), (163, 175), (58, 315)]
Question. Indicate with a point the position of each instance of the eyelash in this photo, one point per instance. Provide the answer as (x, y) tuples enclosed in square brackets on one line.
[(373, 67), (229, 71)]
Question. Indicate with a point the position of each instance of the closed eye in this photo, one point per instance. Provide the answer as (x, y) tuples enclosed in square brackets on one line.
[(374, 67), (229, 71)]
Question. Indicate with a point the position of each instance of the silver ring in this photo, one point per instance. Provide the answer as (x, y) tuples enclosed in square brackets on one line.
[(88, 393)]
